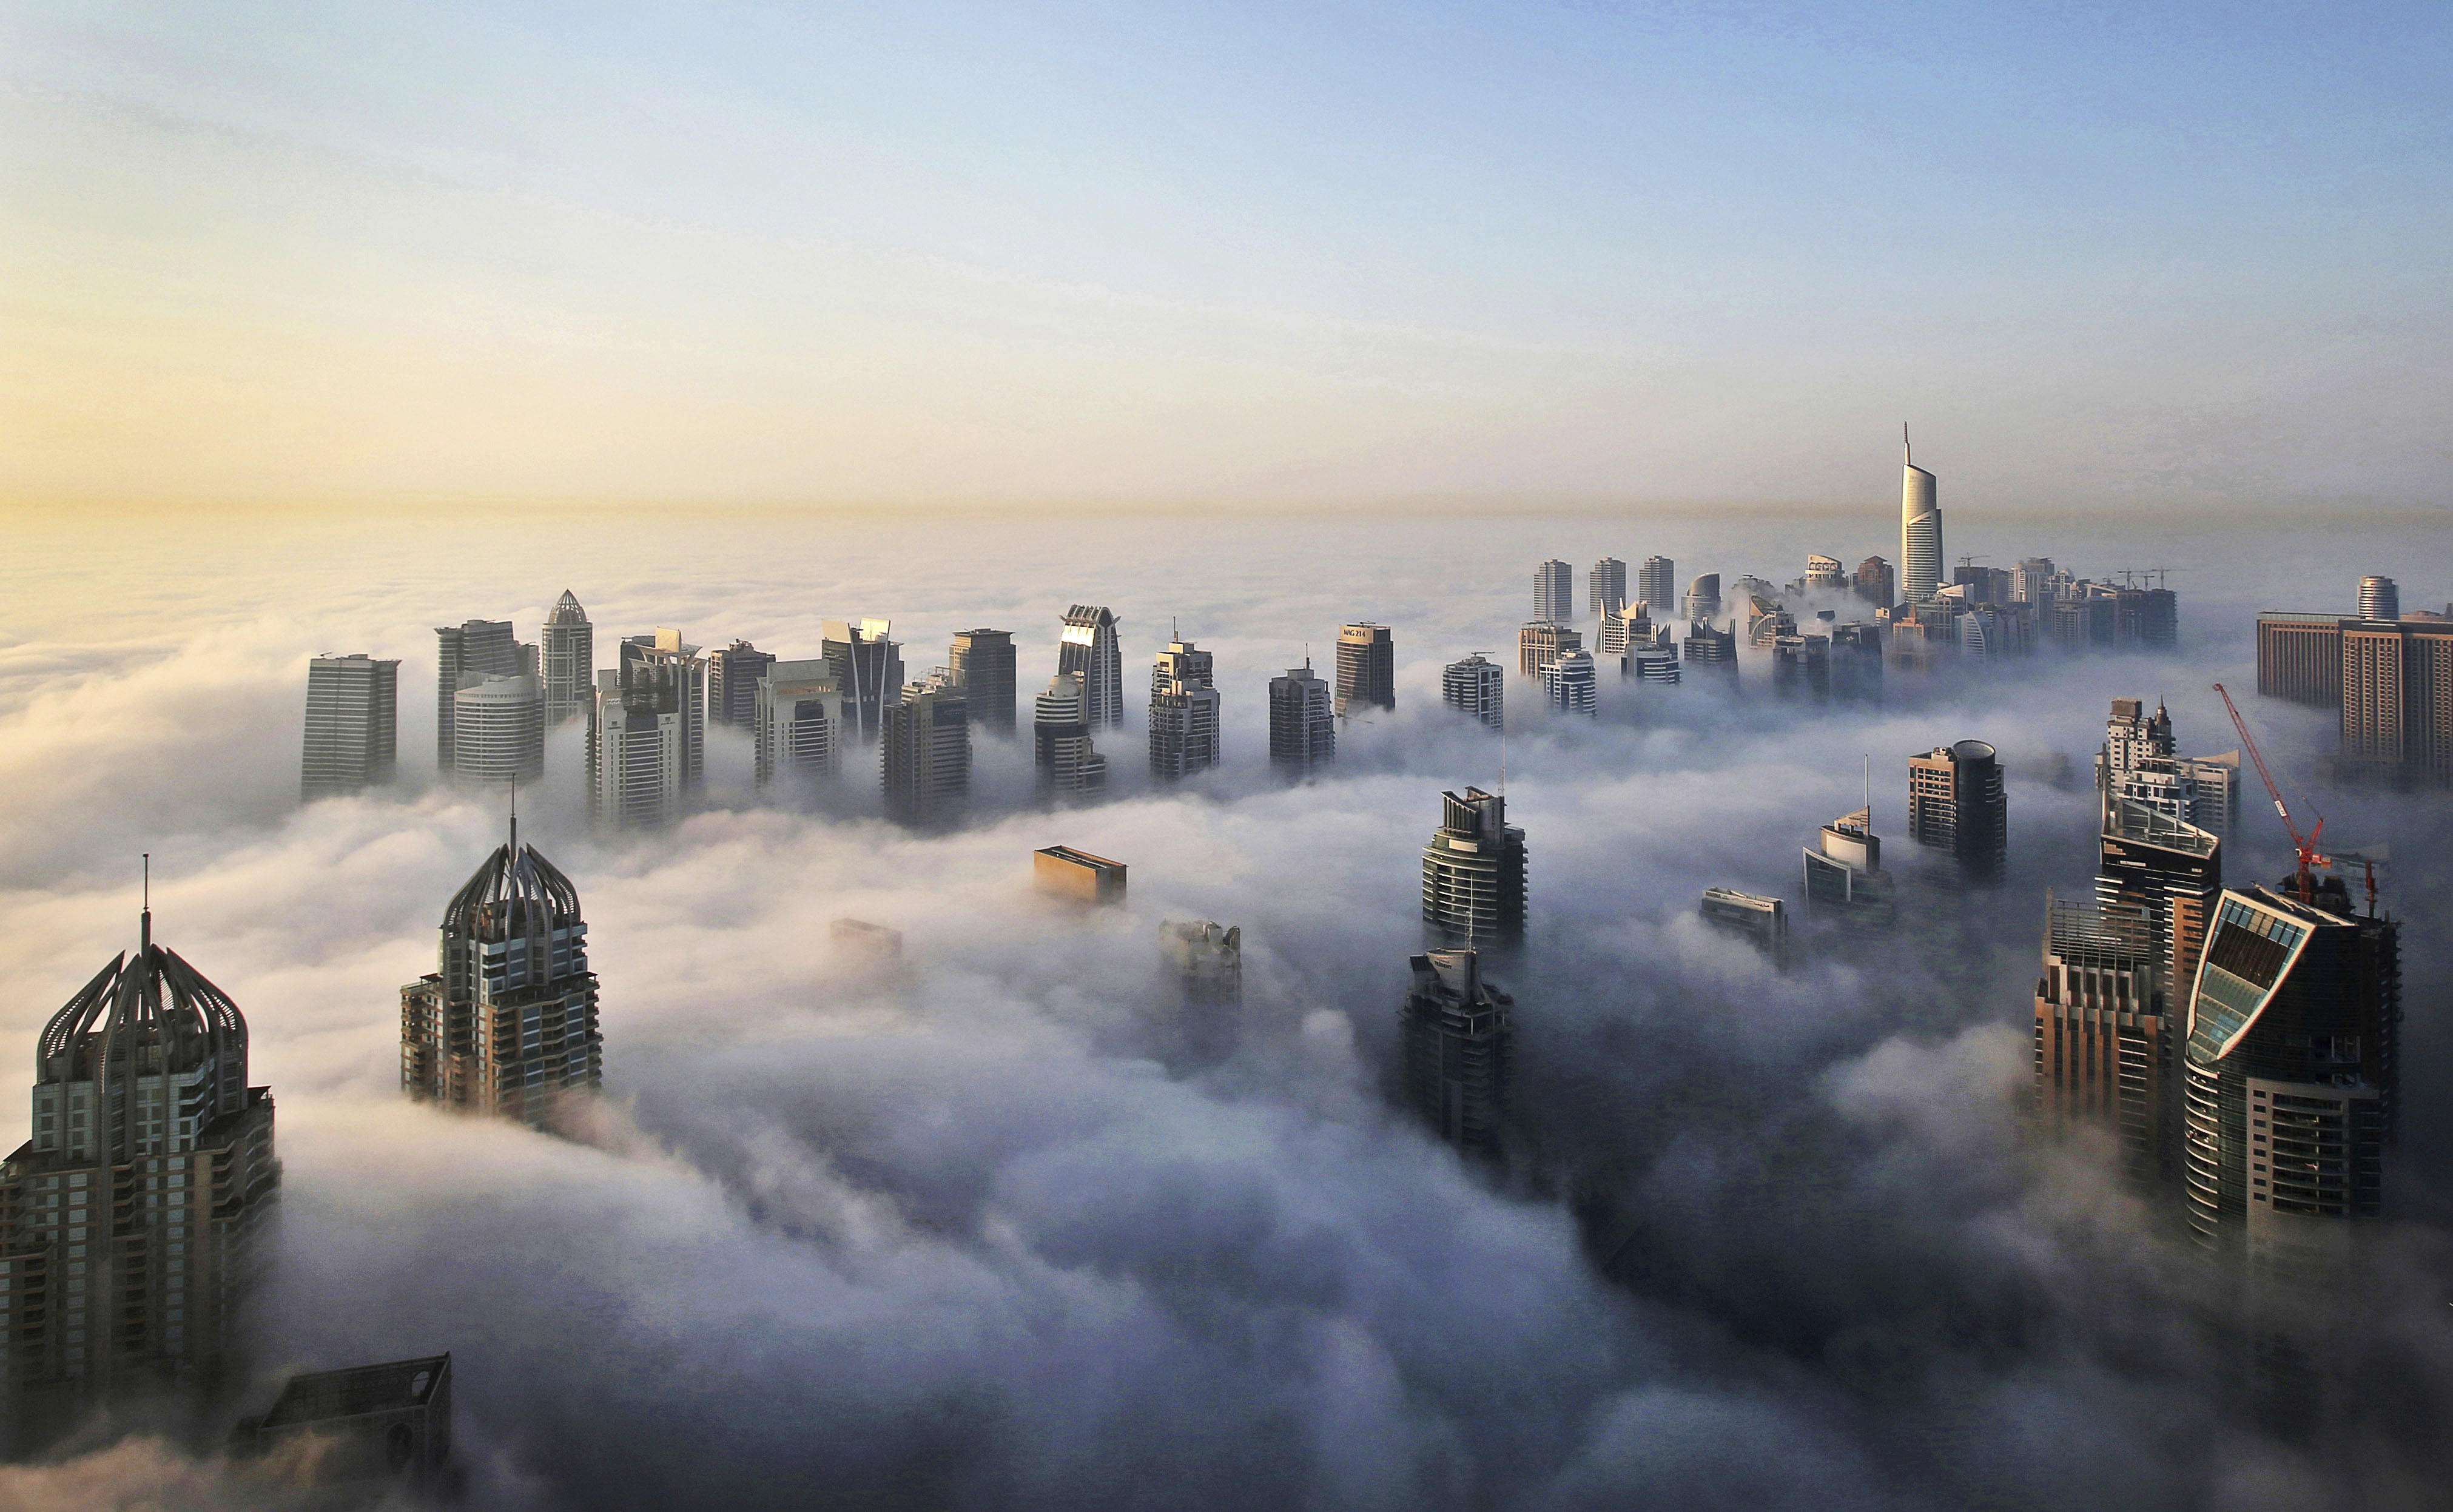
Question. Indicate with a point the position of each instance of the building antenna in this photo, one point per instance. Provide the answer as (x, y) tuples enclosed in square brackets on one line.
[(144, 918), (515, 819), (1869, 790), (1907, 453)]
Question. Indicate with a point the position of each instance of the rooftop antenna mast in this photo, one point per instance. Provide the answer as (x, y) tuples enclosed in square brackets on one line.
[(145, 918)]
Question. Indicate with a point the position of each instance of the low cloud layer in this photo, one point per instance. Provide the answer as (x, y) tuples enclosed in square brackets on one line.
[(957, 1238)]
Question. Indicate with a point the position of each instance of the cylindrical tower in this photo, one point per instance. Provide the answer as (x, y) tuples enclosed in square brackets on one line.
[(1920, 529)]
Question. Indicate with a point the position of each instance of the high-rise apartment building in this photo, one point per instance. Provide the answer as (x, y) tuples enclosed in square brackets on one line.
[(1656, 585), (1712, 653), (1626, 628), (1476, 686), (733, 675), (983, 664), (1924, 638), (2390, 680), (646, 735), (868, 668), (2105, 1035), (1657, 664), (1367, 667), (132, 1219), (1608, 585), (1456, 1035), (1845, 880), (1956, 803), (569, 661), (2140, 762), (353, 726), (2165, 871), (1874, 582), (1078, 876), (1543, 642), (1800, 667), (1207, 961), (1474, 872), (1762, 922), (1303, 720), (800, 721), (498, 730), (1920, 529), (1554, 592), (2291, 1072), (2380, 599), (1184, 712), (1824, 575), (506, 1024), (1704, 600), (1089, 648), (1068, 766), (1569, 686), (1857, 662), (927, 752), (2032, 581), (476, 649)]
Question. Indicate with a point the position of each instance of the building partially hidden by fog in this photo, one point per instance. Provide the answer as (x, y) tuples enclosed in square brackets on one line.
[(2104, 1036), (1367, 667), (1554, 592), (1543, 642), (1206, 960), (506, 1024), (1476, 686), (925, 754), (1474, 872), (868, 668), (1077, 876), (132, 1219), (1656, 586), (1456, 1034), (2390, 682), (732, 677), (1068, 766), (1089, 648), (1845, 880), (983, 664), (799, 722), (353, 726), (497, 731), (1704, 600), (2140, 762), (1920, 529), (1711, 654), (1606, 584), (1569, 686), (1184, 712), (569, 661), (1624, 628), (2380, 599), (647, 736), (1762, 922), (1873, 583), (466, 653), (375, 1430), (2292, 1071), (1956, 803), (1302, 721)]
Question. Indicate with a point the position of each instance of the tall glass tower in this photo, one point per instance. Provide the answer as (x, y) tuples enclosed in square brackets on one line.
[(569, 652), (1087, 649), (1473, 872), (1920, 529)]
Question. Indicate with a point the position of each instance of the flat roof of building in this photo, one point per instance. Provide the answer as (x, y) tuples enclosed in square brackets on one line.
[(358, 1390)]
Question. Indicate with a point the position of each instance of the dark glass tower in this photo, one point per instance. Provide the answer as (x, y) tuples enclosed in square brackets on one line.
[(1457, 1042), (1473, 872), (1956, 803), (1367, 667), (732, 676), (982, 666)]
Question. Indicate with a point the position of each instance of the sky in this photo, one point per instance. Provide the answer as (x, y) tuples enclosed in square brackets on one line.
[(365, 254)]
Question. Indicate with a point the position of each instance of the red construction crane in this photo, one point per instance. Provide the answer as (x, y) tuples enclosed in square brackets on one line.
[(2306, 845)]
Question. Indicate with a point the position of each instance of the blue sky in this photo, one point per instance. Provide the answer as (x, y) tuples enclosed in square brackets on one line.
[(1649, 252)]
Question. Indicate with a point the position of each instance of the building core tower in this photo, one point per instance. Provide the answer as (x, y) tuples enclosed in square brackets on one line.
[(1920, 529)]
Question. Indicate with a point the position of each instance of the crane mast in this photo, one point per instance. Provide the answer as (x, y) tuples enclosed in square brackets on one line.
[(2310, 856)]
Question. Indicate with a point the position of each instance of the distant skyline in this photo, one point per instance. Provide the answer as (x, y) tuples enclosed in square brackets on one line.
[(1264, 252)]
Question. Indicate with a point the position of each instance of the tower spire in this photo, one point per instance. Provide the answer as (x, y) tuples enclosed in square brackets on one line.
[(1907, 454), (145, 918), (515, 819)]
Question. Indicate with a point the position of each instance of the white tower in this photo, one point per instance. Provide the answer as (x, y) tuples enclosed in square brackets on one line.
[(1920, 529)]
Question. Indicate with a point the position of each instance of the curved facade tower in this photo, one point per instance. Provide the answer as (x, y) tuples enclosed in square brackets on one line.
[(131, 1214), (1920, 529), (509, 1025)]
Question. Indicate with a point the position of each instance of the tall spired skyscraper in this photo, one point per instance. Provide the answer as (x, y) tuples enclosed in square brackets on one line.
[(570, 656), (1920, 529), (1473, 872), (1182, 711), (1087, 647), (129, 1221), (508, 1026)]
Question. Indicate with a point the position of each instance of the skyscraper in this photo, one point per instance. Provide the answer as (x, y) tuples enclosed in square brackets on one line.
[(1657, 664), (927, 752), (477, 649), (2164, 872), (1920, 529), (2292, 1073), (2105, 1035), (1456, 1036), (1184, 712), (1857, 662), (1712, 653), (1956, 803), (800, 721), (2390, 680), (1473, 872), (1068, 765), (2032, 581), (1477, 687), (1303, 720), (132, 1219), (1569, 686), (1207, 961), (983, 664), (507, 1025), (2380, 599), (868, 668), (1543, 642), (1554, 592), (732, 676), (1367, 667), (1626, 628), (1824, 575), (352, 725), (1656, 584), (1704, 600), (497, 730), (1760, 920), (1845, 880), (2140, 762), (1088, 648), (646, 735), (570, 656), (1608, 585), (1874, 582)]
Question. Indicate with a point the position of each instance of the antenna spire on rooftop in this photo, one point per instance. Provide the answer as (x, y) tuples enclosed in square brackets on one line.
[(144, 918), (1907, 453)]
